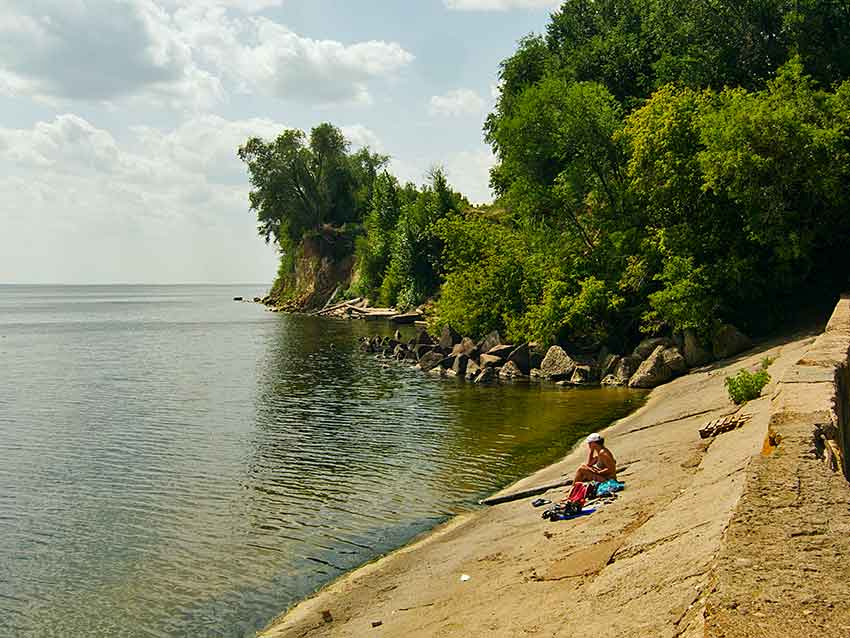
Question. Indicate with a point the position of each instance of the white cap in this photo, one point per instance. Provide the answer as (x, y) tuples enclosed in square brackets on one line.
[(593, 438)]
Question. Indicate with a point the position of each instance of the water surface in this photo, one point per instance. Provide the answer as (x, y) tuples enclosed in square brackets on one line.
[(177, 464)]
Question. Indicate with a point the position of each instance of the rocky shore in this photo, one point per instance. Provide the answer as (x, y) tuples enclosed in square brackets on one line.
[(743, 534), (653, 362)]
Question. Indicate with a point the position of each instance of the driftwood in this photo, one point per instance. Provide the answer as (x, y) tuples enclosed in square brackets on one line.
[(726, 424), (349, 302)]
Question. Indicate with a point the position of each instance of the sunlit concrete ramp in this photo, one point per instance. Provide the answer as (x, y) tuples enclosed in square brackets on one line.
[(728, 536)]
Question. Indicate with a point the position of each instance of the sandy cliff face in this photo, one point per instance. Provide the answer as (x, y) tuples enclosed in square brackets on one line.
[(324, 262)]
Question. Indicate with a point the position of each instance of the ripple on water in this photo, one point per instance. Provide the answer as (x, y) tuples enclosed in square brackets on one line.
[(167, 474)]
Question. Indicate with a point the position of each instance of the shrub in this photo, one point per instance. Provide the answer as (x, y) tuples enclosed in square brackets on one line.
[(747, 385)]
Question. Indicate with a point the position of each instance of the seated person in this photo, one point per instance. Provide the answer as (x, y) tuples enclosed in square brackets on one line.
[(601, 464)]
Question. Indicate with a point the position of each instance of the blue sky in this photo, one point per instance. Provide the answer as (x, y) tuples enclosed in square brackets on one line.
[(119, 119)]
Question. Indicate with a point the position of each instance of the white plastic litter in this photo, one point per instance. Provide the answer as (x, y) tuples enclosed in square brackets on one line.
[(464, 577)]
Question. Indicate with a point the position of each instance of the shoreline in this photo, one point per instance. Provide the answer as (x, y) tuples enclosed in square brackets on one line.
[(500, 547)]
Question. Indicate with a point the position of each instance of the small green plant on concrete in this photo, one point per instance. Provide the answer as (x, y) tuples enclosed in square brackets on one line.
[(746, 386)]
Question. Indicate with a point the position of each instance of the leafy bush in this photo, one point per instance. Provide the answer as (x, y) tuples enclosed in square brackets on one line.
[(746, 386)]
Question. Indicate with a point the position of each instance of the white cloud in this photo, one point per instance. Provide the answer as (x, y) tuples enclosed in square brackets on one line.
[(499, 5), (469, 173), (457, 102), (361, 136), (178, 52), (148, 194)]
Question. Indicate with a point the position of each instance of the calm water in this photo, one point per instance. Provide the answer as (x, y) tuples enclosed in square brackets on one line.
[(173, 463)]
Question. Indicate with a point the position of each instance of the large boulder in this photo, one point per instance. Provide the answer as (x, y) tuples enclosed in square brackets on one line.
[(648, 346), (466, 346), (535, 359), (490, 341), (674, 360), (584, 375), (448, 338), (490, 361), (502, 351), (557, 365), (659, 367), (520, 358), (624, 370), (510, 371), (472, 369), (430, 360), (695, 354), (729, 341), (608, 364), (459, 364)]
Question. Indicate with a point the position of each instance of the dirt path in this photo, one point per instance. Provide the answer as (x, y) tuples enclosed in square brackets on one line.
[(641, 566)]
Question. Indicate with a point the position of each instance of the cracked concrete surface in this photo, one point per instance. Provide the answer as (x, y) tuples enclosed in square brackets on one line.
[(652, 563)]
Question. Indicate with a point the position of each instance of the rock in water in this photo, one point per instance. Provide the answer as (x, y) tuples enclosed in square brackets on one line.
[(423, 338), (466, 346), (584, 375), (729, 341), (648, 346), (695, 354), (510, 371), (608, 364), (490, 341), (502, 351), (490, 361), (448, 338), (487, 374), (520, 358), (627, 366), (557, 365), (459, 364), (652, 372), (430, 360), (472, 369)]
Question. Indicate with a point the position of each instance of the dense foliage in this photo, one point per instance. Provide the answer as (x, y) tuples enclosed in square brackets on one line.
[(662, 166)]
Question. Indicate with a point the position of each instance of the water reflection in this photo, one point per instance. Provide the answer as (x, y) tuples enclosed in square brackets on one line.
[(190, 466)]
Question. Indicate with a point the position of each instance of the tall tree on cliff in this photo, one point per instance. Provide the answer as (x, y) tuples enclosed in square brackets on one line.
[(300, 183)]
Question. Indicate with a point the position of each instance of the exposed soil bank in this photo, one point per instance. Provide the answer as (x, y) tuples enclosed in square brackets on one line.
[(653, 563)]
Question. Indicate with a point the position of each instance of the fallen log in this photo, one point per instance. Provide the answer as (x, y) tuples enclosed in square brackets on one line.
[(406, 318), (349, 302)]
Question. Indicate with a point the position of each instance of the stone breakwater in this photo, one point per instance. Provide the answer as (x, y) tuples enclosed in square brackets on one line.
[(653, 362)]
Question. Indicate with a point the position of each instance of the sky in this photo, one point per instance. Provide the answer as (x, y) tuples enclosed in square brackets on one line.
[(120, 119)]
